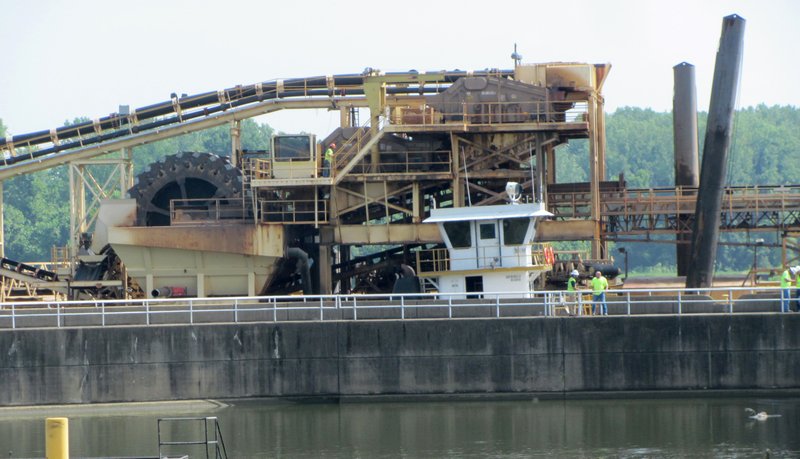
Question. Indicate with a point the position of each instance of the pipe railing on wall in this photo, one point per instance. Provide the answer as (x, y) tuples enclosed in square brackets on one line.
[(191, 311)]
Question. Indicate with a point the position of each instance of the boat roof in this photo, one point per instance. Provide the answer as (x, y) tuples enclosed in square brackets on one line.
[(459, 214)]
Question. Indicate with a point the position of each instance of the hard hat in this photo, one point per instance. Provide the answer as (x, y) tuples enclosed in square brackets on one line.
[(575, 273)]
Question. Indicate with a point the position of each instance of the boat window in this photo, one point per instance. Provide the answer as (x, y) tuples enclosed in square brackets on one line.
[(514, 230), (488, 231), (459, 234)]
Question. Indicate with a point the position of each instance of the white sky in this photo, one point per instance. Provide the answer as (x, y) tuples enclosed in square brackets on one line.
[(64, 59)]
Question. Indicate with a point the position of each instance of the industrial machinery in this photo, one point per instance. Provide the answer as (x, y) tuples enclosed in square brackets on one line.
[(274, 221), (229, 223)]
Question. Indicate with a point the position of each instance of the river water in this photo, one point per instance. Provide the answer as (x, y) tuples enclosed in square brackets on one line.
[(692, 427)]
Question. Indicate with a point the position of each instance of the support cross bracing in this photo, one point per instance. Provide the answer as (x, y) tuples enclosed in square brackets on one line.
[(91, 182)]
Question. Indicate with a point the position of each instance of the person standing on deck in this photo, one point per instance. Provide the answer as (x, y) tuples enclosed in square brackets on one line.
[(786, 288), (796, 272), (327, 160), (572, 291), (599, 287)]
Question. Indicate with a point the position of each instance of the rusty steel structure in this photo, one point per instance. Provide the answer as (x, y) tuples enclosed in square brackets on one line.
[(291, 219), (230, 225)]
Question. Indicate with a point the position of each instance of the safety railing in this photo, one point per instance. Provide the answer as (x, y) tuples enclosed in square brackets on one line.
[(199, 436), (294, 211), (351, 147), (185, 311), (491, 113), (407, 162), (535, 255), (206, 210), (59, 257), (299, 169), (258, 168)]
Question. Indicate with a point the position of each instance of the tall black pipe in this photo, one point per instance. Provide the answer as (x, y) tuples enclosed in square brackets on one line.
[(705, 236), (684, 130)]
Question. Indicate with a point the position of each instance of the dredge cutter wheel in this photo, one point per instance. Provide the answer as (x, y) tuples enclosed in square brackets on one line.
[(186, 175)]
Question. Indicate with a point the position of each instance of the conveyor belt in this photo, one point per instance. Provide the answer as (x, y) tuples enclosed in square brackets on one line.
[(183, 109), (23, 271)]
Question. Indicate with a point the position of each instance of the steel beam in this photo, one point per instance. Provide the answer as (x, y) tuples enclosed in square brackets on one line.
[(387, 234)]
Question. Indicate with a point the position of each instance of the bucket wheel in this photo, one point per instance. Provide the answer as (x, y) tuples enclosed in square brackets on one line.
[(186, 175)]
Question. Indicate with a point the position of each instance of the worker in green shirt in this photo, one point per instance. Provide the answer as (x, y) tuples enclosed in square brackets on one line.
[(572, 295), (599, 287), (328, 160), (786, 289), (796, 272)]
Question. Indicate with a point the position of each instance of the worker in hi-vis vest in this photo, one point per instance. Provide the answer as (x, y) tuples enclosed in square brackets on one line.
[(797, 288), (599, 287), (327, 162), (786, 288), (572, 291)]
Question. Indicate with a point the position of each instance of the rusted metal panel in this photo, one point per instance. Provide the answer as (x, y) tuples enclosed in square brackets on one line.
[(245, 239), (572, 230), (387, 234), (492, 100)]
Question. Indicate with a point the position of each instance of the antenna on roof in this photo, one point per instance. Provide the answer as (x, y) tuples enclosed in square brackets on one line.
[(516, 56)]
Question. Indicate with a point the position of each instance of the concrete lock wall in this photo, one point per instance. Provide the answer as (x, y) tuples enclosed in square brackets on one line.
[(506, 355)]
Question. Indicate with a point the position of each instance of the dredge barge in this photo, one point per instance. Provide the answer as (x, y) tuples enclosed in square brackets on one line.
[(370, 202), (280, 220)]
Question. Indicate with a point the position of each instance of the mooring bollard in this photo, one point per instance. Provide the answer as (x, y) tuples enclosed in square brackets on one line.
[(57, 438)]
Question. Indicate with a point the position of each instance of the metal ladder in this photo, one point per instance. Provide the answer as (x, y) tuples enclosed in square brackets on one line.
[(208, 428)]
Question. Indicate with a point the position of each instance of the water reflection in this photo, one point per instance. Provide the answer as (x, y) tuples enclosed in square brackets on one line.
[(580, 428)]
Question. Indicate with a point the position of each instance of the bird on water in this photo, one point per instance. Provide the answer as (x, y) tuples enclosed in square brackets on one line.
[(759, 416)]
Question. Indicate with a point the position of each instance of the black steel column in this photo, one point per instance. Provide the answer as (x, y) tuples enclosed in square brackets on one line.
[(687, 169), (715, 153)]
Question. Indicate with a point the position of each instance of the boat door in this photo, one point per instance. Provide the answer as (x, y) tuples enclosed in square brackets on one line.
[(488, 244)]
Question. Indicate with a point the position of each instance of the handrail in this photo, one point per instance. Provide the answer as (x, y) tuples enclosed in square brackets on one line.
[(203, 210), (296, 211), (152, 312), (531, 255), (211, 439), (492, 113), (351, 146)]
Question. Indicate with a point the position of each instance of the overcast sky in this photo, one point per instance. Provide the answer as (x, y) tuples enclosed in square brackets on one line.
[(64, 59)]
